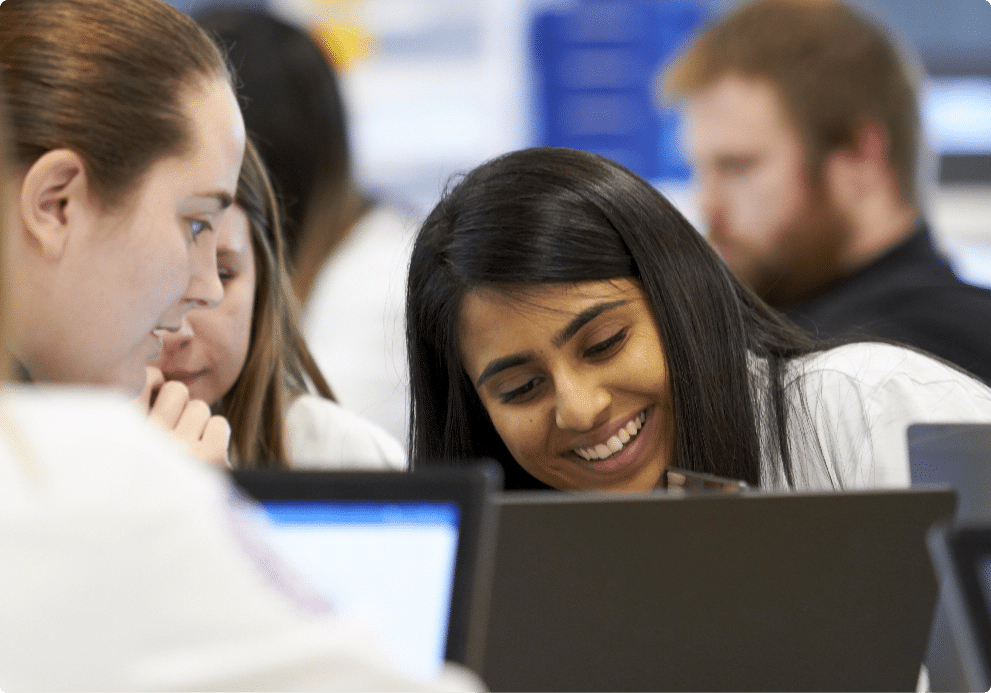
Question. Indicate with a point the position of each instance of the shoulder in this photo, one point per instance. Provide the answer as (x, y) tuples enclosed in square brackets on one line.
[(86, 423), (88, 448), (890, 375), (322, 434)]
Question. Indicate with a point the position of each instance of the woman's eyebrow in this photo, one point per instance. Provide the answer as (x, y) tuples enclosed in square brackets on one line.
[(582, 319), (569, 331), (502, 364)]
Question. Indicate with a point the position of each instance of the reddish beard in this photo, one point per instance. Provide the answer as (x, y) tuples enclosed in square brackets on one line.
[(804, 264)]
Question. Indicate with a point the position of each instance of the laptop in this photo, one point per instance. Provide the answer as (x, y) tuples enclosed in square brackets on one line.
[(958, 454), (406, 550), (962, 556), (745, 591)]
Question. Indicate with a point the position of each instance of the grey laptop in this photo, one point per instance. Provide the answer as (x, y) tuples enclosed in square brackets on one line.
[(962, 556), (711, 592), (958, 454)]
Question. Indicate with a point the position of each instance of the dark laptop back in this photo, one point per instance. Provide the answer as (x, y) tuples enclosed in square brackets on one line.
[(411, 549), (731, 592)]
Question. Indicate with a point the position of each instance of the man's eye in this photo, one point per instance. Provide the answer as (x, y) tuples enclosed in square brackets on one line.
[(737, 167)]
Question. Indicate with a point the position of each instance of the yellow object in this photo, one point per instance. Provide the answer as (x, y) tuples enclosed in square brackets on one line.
[(345, 45)]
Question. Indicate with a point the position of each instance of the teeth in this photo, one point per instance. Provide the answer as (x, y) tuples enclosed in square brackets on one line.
[(616, 442)]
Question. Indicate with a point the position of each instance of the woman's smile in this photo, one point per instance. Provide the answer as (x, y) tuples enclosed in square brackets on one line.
[(575, 381)]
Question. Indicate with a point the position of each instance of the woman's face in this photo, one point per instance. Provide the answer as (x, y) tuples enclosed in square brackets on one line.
[(575, 381), (209, 352), (131, 272)]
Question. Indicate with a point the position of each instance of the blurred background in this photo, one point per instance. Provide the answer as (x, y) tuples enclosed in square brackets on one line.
[(434, 87)]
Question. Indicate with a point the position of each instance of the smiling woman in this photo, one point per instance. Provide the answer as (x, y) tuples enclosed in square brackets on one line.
[(599, 374), (564, 319)]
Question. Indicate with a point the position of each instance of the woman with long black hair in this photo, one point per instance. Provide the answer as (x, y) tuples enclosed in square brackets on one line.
[(564, 319)]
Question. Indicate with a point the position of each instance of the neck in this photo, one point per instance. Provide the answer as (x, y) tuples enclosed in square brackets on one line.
[(878, 226)]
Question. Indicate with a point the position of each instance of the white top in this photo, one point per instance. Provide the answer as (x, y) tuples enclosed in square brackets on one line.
[(320, 434), (860, 400), (353, 320), (127, 565)]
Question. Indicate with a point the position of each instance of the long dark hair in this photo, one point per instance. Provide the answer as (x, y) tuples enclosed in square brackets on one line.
[(551, 216)]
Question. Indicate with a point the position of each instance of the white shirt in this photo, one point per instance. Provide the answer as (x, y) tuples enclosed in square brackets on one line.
[(851, 408), (320, 434), (127, 565), (353, 320)]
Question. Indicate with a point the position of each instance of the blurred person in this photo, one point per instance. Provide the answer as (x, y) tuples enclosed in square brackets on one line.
[(247, 358), (803, 126), (347, 252), (126, 564)]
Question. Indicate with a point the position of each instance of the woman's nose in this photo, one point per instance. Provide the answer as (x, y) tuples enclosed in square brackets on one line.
[(581, 404), (205, 289), (173, 339)]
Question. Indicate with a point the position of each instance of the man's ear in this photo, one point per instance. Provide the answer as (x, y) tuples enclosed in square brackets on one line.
[(54, 193), (856, 172)]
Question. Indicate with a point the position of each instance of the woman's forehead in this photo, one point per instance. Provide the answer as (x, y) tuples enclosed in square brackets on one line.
[(487, 315)]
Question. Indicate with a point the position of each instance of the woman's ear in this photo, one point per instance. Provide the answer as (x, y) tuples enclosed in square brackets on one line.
[(54, 192)]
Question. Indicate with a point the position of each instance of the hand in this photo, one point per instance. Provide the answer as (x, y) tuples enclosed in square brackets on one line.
[(205, 435)]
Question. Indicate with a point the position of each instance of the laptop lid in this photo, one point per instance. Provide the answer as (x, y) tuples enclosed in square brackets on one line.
[(958, 454), (711, 592), (962, 556), (407, 550)]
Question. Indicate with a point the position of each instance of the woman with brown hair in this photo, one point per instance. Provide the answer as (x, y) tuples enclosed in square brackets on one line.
[(338, 236), (248, 359), (124, 563), (128, 141)]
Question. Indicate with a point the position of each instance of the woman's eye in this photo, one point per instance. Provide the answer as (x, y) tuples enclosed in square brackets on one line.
[(198, 226), (604, 347), (225, 275), (519, 394)]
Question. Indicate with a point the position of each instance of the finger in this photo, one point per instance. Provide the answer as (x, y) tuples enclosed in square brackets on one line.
[(170, 402), (192, 421), (153, 381), (214, 444)]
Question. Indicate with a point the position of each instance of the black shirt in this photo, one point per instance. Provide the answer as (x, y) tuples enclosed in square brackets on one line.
[(909, 295)]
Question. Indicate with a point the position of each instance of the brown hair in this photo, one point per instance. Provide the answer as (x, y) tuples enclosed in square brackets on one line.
[(834, 69), (104, 79), (278, 366), (6, 207)]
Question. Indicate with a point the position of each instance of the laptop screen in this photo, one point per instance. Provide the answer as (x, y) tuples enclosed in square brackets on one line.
[(407, 550), (390, 562)]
